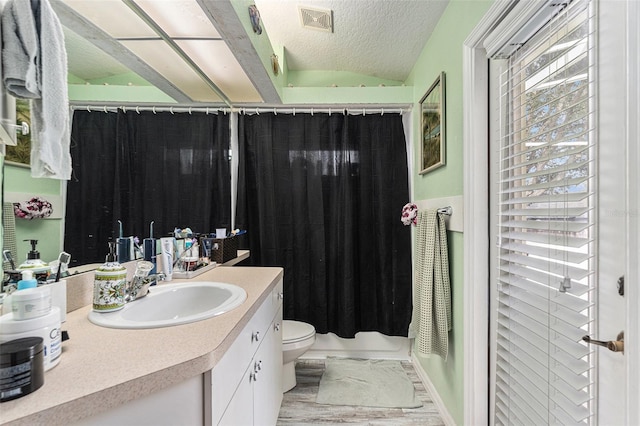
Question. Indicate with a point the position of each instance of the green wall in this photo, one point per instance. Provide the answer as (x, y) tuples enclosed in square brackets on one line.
[(443, 52), (2, 210), (48, 232)]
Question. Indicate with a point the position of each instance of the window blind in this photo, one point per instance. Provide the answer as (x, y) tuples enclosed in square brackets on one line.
[(545, 277)]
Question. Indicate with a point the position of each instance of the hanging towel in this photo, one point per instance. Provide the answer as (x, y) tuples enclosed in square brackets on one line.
[(431, 321), (20, 50), (9, 239), (50, 136)]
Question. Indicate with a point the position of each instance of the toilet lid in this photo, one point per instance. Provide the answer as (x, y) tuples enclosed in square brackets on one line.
[(294, 331)]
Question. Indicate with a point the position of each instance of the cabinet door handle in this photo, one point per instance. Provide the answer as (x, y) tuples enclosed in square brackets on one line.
[(276, 326), (280, 295), (255, 336), (257, 366)]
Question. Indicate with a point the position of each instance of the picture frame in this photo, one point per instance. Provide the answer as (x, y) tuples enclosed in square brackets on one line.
[(20, 153), (433, 127)]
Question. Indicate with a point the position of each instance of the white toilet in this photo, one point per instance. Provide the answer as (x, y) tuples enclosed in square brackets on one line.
[(297, 338)]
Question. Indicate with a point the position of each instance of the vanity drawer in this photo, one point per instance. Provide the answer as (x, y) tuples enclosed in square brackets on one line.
[(229, 371), (277, 295)]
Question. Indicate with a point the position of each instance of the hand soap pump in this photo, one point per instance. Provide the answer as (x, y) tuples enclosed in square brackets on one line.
[(34, 264), (109, 284)]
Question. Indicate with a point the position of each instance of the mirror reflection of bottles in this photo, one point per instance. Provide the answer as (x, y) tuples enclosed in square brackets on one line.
[(190, 259), (150, 250)]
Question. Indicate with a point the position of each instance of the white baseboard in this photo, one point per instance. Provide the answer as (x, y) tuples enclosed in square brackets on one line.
[(366, 345), (444, 413)]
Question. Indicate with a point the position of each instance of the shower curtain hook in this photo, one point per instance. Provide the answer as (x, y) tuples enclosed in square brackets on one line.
[(88, 108), (189, 110), (382, 112), (207, 111), (124, 109), (153, 109), (257, 111), (105, 109), (294, 112), (138, 109), (329, 112), (171, 110), (275, 112), (312, 112)]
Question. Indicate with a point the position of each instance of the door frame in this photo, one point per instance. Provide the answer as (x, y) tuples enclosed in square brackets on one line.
[(476, 218)]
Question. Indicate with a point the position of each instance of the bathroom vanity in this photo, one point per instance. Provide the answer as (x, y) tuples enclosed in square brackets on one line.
[(246, 385), (222, 370)]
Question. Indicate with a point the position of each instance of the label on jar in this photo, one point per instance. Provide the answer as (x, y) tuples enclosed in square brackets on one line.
[(55, 344)]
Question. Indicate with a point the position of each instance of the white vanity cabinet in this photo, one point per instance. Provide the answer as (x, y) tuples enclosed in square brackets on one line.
[(246, 385)]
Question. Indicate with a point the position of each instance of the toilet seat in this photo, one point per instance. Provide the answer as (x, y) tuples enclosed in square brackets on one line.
[(296, 331)]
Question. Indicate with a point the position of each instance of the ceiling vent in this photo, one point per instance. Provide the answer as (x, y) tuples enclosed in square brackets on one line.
[(317, 19)]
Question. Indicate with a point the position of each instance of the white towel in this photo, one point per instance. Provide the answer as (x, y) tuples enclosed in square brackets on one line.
[(20, 50), (50, 136), (431, 320)]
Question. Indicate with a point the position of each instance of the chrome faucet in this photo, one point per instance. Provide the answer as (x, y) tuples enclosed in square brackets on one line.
[(139, 285)]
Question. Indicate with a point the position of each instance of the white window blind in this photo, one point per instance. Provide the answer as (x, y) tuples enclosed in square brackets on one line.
[(545, 278)]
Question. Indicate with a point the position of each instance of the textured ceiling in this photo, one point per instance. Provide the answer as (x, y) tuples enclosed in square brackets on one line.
[(380, 38), (377, 38)]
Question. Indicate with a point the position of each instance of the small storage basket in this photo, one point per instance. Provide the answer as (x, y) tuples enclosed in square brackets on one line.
[(227, 249)]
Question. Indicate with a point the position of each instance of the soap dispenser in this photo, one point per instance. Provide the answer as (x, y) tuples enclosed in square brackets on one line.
[(34, 264), (109, 284)]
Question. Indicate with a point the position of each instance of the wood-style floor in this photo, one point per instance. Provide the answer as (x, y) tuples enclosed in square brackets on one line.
[(299, 405)]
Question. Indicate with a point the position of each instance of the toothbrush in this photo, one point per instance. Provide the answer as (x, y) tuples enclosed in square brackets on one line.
[(64, 257), (6, 254)]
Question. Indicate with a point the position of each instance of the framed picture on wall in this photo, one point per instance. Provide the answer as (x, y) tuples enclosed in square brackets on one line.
[(432, 121), (20, 154)]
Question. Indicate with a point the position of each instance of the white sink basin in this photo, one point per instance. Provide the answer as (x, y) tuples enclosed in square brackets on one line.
[(174, 304)]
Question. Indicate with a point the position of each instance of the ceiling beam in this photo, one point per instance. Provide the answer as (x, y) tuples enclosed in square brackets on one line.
[(174, 46), (87, 30), (224, 18)]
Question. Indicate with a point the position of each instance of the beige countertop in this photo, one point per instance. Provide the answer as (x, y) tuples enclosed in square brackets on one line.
[(102, 368)]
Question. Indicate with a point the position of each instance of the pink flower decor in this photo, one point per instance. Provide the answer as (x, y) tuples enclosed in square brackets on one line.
[(410, 214), (35, 208)]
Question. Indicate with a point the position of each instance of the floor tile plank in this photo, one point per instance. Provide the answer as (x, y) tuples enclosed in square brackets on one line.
[(299, 405)]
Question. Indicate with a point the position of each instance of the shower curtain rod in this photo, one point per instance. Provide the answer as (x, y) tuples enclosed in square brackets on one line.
[(244, 110)]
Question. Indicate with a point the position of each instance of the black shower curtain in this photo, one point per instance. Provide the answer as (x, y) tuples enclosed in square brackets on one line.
[(172, 169), (321, 195)]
